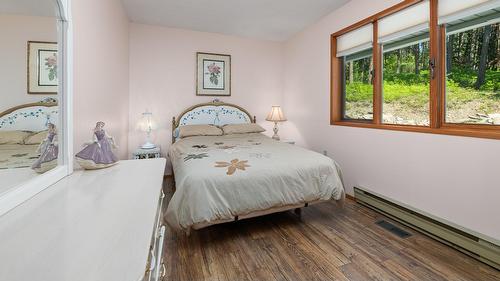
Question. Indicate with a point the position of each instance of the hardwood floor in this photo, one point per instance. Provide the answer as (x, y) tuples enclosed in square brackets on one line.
[(327, 242)]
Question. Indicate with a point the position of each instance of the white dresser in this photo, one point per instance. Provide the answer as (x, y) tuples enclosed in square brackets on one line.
[(91, 226)]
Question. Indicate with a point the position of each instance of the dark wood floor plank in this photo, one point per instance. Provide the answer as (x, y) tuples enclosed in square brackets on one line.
[(327, 242), (311, 245), (370, 242), (420, 269), (401, 272), (320, 265), (372, 269), (460, 263)]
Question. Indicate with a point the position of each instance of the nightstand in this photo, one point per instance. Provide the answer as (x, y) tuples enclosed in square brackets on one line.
[(288, 141), (142, 153)]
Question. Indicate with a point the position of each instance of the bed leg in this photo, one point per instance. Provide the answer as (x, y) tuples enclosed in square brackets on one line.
[(298, 212)]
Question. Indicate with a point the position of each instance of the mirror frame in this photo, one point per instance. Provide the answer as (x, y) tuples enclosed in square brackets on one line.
[(18, 194)]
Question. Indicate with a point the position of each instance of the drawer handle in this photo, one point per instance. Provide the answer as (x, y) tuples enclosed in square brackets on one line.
[(163, 270)]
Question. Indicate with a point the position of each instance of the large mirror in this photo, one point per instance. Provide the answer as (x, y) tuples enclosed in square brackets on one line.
[(33, 92)]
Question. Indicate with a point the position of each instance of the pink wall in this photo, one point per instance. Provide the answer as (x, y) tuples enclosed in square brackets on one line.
[(163, 75), (454, 178), (17, 31), (101, 70)]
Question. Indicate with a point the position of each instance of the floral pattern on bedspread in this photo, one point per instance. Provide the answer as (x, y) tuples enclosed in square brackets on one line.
[(195, 156), (232, 166), (17, 155)]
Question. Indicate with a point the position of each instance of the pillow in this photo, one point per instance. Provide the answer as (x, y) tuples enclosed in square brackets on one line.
[(13, 137), (242, 128), (36, 138), (199, 130)]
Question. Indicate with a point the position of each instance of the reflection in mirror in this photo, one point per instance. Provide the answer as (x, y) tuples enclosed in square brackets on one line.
[(29, 112)]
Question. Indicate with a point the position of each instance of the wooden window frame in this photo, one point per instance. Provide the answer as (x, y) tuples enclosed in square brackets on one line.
[(437, 93)]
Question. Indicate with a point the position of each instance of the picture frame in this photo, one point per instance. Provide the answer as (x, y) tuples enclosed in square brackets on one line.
[(42, 68), (213, 74)]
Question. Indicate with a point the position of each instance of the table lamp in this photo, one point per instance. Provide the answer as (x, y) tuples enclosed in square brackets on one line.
[(147, 124), (276, 115)]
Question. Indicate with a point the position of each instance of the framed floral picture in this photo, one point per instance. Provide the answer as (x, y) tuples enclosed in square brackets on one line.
[(213, 74), (42, 67)]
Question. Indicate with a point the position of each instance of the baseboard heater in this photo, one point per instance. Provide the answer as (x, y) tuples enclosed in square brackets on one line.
[(461, 240)]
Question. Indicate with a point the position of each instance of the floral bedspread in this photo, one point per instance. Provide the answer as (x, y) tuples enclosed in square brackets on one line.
[(17, 155), (218, 178)]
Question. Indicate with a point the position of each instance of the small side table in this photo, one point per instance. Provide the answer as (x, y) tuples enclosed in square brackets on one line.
[(288, 141), (142, 153)]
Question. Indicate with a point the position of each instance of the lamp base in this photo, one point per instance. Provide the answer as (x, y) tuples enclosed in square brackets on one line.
[(275, 130), (148, 145)]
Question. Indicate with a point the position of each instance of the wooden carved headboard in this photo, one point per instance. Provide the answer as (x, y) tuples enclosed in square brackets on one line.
[(29, 117), (214, 113)]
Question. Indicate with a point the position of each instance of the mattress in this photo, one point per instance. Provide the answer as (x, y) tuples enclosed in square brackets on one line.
[(221, 177), (17, 155)]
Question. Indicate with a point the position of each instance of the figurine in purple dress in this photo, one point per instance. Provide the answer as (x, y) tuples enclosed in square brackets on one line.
[(97, 154), (48, 150)]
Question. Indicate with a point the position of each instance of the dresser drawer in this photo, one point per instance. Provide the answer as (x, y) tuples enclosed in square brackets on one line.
[(159, 270), (155, 268)]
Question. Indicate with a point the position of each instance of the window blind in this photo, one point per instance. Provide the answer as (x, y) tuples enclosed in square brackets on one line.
[(479, 21), (405, 22), (355, 41), (452, 10), (359, 55)]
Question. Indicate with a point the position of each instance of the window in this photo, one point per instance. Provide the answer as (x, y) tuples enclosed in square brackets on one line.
[(354, 51), (358, 86), (473, 70), (429, 66), (406, 87)]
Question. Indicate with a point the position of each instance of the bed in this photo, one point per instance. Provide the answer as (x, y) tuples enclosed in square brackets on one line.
[(232, 177), (21, 131)]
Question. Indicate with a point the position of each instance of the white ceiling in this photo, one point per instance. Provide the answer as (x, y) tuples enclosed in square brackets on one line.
[(42, 8), (275, 20)]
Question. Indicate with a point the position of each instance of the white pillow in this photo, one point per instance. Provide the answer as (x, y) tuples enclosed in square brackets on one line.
[(242, 128), (199, 130), (13, 137)]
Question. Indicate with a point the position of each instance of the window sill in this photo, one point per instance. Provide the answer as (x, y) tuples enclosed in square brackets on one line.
[(465, 130)]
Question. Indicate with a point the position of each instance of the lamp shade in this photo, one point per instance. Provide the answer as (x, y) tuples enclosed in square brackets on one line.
[(147, 123), (276, 114)]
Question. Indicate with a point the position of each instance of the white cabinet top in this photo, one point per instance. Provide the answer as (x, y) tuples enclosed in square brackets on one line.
[(93, 225)]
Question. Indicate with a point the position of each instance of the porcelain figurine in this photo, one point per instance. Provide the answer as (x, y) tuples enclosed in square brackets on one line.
[(98, 153), (48, 150)]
